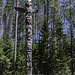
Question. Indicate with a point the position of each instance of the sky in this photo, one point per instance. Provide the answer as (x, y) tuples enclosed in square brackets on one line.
[(65, 27)]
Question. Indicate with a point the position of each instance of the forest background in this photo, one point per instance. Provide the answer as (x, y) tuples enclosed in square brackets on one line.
[(53, 37)]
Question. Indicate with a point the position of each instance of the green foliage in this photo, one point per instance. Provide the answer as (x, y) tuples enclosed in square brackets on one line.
[(52, 51), (6, 56)]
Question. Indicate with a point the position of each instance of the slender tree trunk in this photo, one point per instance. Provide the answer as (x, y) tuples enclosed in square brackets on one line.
[(36, 32), (11, 26), (1, 25), (71, 33), (47, 11), (15, 47), (7, 19), (45, 21), (33, 43), (7, 25), (53, 31), (33, 33)]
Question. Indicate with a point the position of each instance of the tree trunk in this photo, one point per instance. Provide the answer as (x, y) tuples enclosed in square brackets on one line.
[(71, 33), (1, 25), (15, 47), (47, 13)]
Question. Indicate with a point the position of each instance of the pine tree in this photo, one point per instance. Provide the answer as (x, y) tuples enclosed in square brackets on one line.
[(6, 55)]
